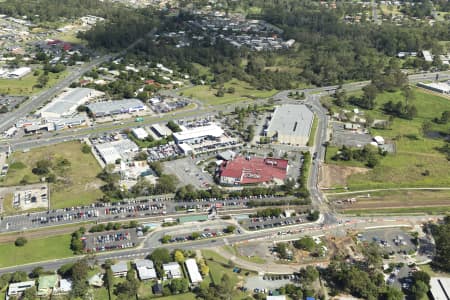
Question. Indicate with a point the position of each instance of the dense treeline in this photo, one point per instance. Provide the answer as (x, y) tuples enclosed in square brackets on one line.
[(441, 234), (328, 50), (53, 10)]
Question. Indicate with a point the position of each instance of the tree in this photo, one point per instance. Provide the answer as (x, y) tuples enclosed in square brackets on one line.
[(19, 276), (373, 255), (86, 149), (419, 289), (166, 239), (441, 234), (29, 294), (308, 275), (20, 241), (179, 256), (393, 294), (159, 257), (179, 285), (230, 229), (79, 276), (305, 243), (109, 281), (36, 272), (422, 276), (195, 235)]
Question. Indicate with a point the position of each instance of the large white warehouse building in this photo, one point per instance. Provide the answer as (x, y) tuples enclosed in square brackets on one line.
[(65, 105), (291, 124)]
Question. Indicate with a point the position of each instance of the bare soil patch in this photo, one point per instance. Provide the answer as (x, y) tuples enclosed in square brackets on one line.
[(336, 176)]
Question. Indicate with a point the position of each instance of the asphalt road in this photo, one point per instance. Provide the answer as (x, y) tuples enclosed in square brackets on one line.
[(149, 243)]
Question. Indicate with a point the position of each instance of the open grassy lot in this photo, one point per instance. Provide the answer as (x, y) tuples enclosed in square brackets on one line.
[(242, 91), (35, 250), (254, 259), (25, 85), (417, 162), (75, 185)]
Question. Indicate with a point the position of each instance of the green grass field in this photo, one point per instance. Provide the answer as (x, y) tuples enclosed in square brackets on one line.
[(25, 86), (35, 250), (415, 152), (243, 91), (77, 185)]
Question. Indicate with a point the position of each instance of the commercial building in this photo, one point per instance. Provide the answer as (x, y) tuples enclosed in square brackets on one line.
[(139, 133), (110, 152), (253, 170), (192, 269), (109, 108), (440, 288), (196, 135), (145, 269), (172, 270), (65, 105), (120, 269), (161, 130), (19, 72), (16, 289), (291, 124), (438, 87)]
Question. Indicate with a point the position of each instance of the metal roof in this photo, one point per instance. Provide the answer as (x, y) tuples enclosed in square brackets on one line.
[(198, 132), (291, 119), (68, 101), (107, 107), (192, 268)]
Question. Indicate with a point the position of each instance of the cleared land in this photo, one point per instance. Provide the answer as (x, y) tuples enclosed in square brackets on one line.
[(75, 185), (242, 91), (336, 176), (26, 85), (418, 162), (35, 250), (411, 201)]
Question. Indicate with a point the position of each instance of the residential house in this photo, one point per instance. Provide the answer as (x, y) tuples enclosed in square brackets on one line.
[(120, 269), (172, 270)]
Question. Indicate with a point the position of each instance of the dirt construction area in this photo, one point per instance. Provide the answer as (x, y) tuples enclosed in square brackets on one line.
[(336, 176)]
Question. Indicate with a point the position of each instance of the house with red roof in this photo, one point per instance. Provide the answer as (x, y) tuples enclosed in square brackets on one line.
[(244, 170)]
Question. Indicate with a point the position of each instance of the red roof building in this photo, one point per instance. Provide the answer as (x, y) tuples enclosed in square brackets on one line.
[(252, 170)]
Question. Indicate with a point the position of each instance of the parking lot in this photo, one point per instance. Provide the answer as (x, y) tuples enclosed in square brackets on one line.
[(111, 240), (188, 173), (393, 241), (347, 137), (11, 102), (163, 152), (271, 222)]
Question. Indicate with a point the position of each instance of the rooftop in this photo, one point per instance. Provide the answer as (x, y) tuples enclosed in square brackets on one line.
[(249, 170), (192, 268), (291, 119), (440, 288), (69, 100), (198, 132), (120, 267), (117, 105)]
